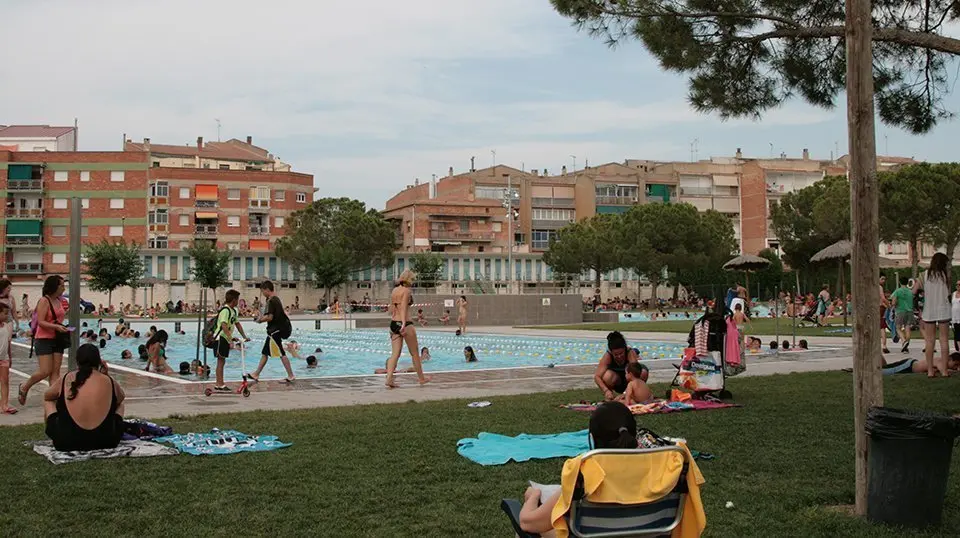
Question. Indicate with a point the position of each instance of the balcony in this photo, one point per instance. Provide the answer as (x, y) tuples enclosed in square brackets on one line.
[(259, 231), (206, 203), (696, 191), (205, 230), (563, 203), (24, 241), (540, 245), (24, 213), (449, 235), (550, 224), (25, 185), (259, 206), (15, 268), (616, 200)]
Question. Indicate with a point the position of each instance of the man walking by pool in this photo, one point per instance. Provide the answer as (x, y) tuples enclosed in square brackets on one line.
[(611, 373), (227, 321), (902, 300), (278, 328)]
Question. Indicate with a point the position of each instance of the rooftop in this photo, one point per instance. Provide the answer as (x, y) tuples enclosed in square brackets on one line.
[(231, 150), (33, 131)]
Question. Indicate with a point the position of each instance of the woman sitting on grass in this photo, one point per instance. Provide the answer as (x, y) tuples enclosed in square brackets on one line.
[(87, 414), (611, 426)]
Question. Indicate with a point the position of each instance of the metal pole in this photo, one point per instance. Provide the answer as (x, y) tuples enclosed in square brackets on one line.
[(199, 322), (510, 230), (75, 223), (776, 311)]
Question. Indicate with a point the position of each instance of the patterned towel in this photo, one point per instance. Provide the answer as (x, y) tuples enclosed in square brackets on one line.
[(222, 442), (657, 406), (132, 449)]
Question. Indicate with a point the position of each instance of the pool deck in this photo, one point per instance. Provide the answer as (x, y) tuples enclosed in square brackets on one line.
[(157, 397)]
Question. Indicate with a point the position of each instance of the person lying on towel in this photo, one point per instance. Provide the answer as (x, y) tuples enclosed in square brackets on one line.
[(919, 366), (611, 373)]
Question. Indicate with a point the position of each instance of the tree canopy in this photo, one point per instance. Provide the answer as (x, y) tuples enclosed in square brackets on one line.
[(591, 244), (428, 267), (333, 237), (910, 203), (810, 219), (944, 229), (111, 265), (211, 266), (743, 58)]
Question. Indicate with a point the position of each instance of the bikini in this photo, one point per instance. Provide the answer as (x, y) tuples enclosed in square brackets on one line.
[(67, 435), (396, 326)]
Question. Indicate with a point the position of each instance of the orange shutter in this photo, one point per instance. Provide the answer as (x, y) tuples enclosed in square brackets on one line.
[(207, 215), (206, 192), (259, 244)]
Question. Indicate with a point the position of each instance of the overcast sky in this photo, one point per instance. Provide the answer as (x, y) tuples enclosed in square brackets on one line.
[(369, 95)]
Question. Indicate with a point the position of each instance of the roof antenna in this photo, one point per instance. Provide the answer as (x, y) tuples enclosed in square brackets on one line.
[(218, 128)]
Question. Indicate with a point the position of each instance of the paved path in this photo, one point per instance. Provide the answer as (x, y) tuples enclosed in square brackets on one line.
[(155, 397)]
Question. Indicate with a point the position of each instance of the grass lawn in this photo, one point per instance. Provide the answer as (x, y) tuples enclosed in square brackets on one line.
[(764, 326), (394, 471)]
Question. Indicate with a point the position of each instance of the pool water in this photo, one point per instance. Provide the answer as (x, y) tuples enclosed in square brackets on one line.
[(361, 351)]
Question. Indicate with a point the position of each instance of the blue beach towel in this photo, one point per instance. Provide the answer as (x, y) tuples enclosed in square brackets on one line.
[(496, 449), (222, 442)]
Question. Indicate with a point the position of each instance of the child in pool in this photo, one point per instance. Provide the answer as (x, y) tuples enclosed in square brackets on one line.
[(425, 354), (469, 355)]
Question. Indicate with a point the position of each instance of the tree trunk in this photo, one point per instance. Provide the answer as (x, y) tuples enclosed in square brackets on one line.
[(654, 284), (915, 256), (676, 291), (109, 299), (864, 210), (596, 280)]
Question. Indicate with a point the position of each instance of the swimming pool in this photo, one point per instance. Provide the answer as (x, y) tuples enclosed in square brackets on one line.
[(361, 351)]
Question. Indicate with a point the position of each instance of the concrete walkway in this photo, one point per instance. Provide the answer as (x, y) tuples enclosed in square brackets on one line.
[(157, 397)]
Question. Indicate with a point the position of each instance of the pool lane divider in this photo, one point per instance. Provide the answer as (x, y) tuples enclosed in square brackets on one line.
[(129, 370)]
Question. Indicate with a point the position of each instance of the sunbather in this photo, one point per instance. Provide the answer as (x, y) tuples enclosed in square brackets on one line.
[(611, 426), (918, 366)]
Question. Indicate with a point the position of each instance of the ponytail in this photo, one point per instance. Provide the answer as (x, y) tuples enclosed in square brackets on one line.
[(625, 439), (82, 374)]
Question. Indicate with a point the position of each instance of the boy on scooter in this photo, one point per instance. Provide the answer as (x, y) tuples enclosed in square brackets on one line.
[(227, 320)]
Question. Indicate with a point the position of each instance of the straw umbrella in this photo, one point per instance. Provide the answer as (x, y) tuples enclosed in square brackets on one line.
[(747, 263), (839, 251)]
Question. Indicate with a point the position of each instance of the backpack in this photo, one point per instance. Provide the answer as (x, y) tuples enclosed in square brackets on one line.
[(210, 330)]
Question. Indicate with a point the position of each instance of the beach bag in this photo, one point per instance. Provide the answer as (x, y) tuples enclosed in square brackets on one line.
[(701, 374), (210, 330)]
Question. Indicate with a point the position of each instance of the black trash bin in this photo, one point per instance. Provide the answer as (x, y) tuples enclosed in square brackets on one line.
[(908, 465)]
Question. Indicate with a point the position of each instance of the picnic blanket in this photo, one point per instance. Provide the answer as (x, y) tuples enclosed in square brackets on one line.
[(658, 406), (219, 442), (135, 448), (495, 449)]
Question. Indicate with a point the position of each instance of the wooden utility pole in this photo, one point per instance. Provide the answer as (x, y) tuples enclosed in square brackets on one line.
[(864, 202)]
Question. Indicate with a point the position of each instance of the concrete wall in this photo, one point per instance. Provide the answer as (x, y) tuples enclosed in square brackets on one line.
[(510, 309)]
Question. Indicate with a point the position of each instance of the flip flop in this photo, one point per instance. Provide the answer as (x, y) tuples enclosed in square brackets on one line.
[(21, 396), (289, 381), (10, 410), (253, 378)]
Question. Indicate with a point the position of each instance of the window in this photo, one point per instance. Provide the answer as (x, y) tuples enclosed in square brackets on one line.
[(184, 193), (541, 238), (279, 196), (497, 227), (188, 164), (117, 176), (84, 231), (59, 258), (233, 194), (116, 231), (552, 214), (233, 221), (60, 176), (156, 164), (85, 176), (158, 216), (157, 242), (233, 246), (184, 220), (496, 193), (116, 203), (278, 222), (59, 203), (85, 203), (59, 231), (224, 166), (161, 188), (464, 225), (259, 193), (301, 197)]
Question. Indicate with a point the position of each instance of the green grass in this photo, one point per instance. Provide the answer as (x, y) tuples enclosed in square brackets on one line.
[(783, 459), (764, 326)]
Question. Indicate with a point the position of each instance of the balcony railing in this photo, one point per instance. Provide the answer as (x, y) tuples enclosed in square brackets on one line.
[(24, 268), (540, 245), (24, 185), (553, 202), (550, 224), (616, 200), (24, 240), (259, 206), (259, 231), (205, 230), (696, 191), (461, 236), (206, 203), (24, 213), (652, 199)]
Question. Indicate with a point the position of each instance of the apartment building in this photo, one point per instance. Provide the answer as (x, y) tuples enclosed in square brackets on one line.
[(40, 189), (230, 155), (38, 138)]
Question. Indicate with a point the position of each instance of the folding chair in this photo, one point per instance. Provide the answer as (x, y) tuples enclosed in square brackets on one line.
[(587, 519)]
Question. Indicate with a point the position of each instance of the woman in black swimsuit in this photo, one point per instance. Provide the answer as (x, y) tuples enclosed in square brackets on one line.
[(87, 414), (402, 329)]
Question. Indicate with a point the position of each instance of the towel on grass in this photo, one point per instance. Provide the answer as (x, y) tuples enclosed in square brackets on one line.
[(496, 449), (222, 442), (658, 406), (135, 448)]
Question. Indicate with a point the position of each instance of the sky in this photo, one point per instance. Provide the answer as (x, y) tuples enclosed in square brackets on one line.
[(369, 96)]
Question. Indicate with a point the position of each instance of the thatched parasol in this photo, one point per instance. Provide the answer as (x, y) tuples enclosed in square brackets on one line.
[(839, 251), (747, 263)]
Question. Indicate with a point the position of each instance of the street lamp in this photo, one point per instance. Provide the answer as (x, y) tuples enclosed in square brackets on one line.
[(508, 199)]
